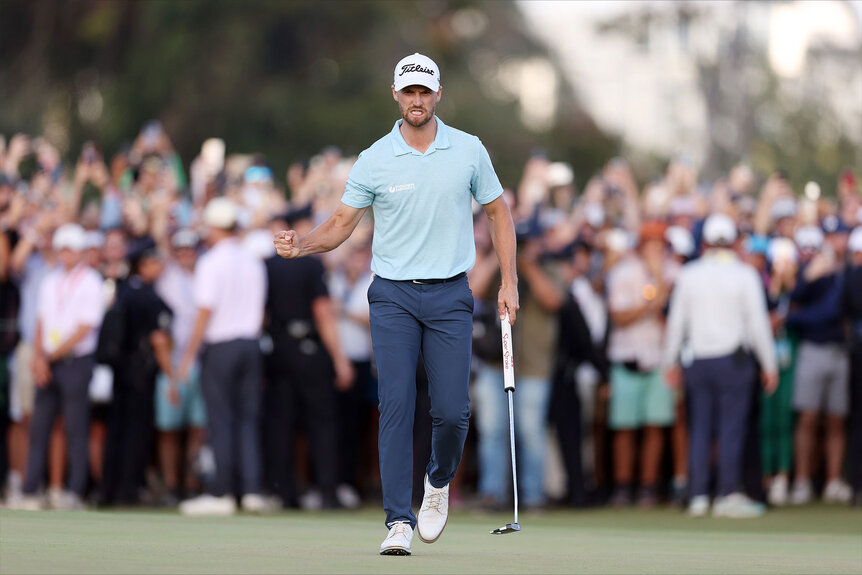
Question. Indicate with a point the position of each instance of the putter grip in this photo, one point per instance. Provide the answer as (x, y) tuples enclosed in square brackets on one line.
[(508, 355)]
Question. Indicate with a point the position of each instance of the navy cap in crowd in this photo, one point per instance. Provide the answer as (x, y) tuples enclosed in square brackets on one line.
[(832, 224)]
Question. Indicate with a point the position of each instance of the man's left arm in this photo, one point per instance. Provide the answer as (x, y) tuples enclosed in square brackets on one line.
[(503, 236)]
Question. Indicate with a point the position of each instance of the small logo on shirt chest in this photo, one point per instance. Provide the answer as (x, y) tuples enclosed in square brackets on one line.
[(401, 188)]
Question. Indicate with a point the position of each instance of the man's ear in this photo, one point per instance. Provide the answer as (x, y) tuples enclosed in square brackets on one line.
[(394, 93), (439, 93)]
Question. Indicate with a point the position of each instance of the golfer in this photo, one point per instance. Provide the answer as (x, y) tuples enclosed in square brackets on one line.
[(420, 180)]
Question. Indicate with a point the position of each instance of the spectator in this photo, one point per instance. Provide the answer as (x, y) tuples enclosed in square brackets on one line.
[(822, 379), (535, 338), (230, 290), (348, 288), (853, 310), (307, 365), (719, 309), (146, 323), (69, 313), (777, 408), (32, 259), (638, 289), (179, 404)]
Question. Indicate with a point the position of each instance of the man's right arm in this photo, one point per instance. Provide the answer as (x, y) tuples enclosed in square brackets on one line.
[(325, 237)]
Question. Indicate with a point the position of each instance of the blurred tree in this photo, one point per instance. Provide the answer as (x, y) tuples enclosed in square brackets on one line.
[(753, 115), (282, 78)]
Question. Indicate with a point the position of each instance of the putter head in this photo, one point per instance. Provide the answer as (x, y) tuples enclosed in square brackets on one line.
[(508, 528)]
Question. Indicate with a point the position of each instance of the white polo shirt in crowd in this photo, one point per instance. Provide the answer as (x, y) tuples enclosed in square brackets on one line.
[(176, 287), (717, 306), (68, 300), (231, 283), (641, 340), (354, 337)]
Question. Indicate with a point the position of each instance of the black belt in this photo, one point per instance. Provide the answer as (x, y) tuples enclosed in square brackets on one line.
[(437, 281)]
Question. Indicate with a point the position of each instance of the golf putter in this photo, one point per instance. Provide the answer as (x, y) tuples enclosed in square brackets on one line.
[(509, 386)]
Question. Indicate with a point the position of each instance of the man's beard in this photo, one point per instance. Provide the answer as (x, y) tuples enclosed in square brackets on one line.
[(416, 122)]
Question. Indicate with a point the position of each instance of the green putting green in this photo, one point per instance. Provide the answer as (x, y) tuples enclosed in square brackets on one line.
[(811, 539)]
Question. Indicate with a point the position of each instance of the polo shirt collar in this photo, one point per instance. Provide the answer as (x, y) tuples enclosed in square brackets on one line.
[(400, 147)]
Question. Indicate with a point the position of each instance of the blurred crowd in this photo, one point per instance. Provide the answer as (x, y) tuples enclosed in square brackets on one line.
[(155, 351)]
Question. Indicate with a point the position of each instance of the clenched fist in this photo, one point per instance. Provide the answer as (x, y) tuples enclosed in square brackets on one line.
[(287, 244)]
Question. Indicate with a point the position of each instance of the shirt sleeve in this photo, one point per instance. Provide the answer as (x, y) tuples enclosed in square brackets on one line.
[(42, 298), (316, 282), (676, 322), (91, 302), (359, 190), (485, 185), (204, 287), (760, 331), (159, 316)]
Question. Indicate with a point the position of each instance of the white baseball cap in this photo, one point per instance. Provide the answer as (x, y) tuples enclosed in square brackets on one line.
[(416, 70), (808, 237), (70, 237), (185, 238), (783, 208), (854, 244), (719, 229), (680, 239), (221, 213)]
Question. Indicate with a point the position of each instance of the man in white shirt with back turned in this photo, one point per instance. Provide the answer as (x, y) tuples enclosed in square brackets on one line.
[(229, 292), (719, 307)]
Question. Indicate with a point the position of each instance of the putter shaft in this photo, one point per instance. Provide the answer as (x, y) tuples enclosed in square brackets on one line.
[(510, 393)]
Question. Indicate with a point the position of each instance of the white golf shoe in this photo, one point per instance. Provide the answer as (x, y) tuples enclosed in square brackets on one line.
[(208, 505), (779, 491), (434, 512), (837, 491), (254, 503), (737, 506), (802, 492), (698, 506), (398, 540)]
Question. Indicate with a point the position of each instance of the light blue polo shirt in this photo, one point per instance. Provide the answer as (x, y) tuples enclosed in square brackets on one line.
[(423, 219)]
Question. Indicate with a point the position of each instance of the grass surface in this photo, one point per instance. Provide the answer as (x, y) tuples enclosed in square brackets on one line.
[(814, 539)]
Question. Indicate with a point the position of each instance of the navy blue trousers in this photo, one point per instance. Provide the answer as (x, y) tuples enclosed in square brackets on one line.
[(719, 402), (68, 393), (231, 383), (437, 319)]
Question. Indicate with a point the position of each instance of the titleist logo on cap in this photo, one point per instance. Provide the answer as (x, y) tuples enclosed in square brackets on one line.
[(415, 68)]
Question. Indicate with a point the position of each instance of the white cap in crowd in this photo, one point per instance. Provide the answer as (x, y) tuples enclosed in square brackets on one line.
[(681, 241), (854, 243), (808, 238), (70, 237), (416, 70), (783, 208), (185, 238), (221, 213), (719, 230)]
